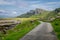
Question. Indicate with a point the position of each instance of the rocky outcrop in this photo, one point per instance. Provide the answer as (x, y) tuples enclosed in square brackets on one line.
[(7, 24)]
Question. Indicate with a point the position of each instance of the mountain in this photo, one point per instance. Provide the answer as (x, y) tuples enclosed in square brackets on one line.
[(42, 14), (32, 12), (48, 15)]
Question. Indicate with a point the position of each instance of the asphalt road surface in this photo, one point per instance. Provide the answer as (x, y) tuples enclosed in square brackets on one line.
[(44, 31)]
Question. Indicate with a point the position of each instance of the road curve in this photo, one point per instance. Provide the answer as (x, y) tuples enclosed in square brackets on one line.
[(44, 31)]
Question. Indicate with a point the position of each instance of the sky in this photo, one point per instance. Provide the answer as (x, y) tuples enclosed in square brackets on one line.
[(14, 8)]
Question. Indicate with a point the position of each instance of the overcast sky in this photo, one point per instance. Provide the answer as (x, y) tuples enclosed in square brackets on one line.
[(17, 7)]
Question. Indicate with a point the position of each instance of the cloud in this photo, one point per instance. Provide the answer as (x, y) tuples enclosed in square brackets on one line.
[(8, 13), (14, 13), (24, 4), (52, 3), (45, 5), (6, 2), (2, 10)]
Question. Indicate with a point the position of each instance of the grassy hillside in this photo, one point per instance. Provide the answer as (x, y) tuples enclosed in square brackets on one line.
[(56, 26), (21, 29), (41, 16), (53, 14)]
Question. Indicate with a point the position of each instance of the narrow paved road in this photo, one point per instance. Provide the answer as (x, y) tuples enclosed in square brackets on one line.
[(44, 31)]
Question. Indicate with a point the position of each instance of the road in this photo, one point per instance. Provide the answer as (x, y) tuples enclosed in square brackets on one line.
[(44, 31)]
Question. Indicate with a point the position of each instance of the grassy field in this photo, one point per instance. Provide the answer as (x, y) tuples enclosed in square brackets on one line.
[(56, 26), (21, 19), (21, 29)]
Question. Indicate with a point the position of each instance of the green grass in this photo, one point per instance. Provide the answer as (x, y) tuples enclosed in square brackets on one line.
[(20, 30), (56, 26), (20, 19)]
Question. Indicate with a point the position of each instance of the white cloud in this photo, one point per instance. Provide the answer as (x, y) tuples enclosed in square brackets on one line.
[(46, 5), (6, 2), (41, 6), (8, 13), (26, 4), (14, 13), (2, 10), (52, 3)]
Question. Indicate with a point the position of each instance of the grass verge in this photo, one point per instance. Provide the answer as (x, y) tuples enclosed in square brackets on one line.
[(20, 30), (56, 26)]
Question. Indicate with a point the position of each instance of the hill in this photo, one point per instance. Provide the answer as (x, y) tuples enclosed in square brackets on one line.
[(42, 14), (48, 15), (32, 12)]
